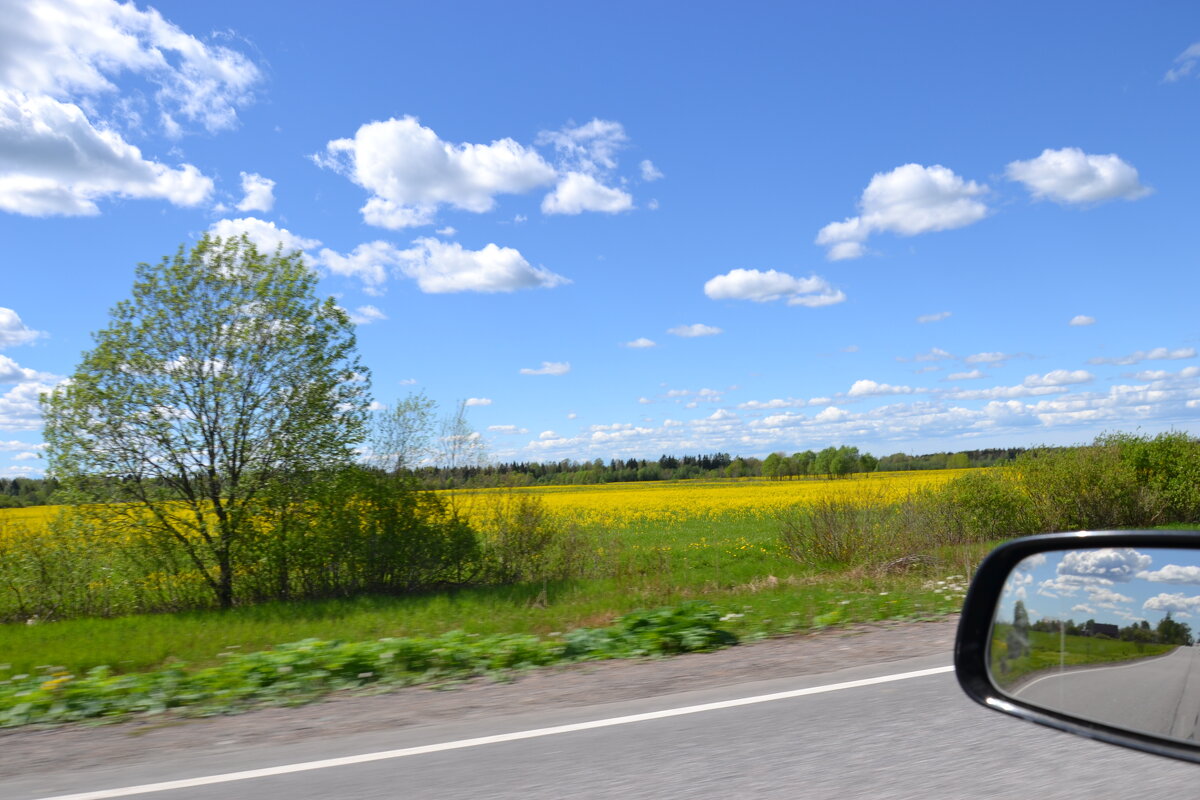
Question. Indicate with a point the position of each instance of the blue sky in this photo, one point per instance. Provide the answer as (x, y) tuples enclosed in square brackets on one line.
[(641, 228), (1118, 585)]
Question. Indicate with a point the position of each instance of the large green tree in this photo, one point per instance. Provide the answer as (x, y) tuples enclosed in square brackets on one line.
[(219, 382)]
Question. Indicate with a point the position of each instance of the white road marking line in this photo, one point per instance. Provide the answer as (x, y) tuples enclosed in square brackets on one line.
[(364, 758)]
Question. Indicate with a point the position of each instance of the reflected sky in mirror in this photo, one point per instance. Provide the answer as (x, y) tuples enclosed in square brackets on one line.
[(1104, 634)]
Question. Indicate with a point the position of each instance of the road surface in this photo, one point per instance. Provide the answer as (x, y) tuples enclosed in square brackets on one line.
[(1154, 695), (834, 735)]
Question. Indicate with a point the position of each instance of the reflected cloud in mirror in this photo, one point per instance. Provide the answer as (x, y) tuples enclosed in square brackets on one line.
[(1104, 634)]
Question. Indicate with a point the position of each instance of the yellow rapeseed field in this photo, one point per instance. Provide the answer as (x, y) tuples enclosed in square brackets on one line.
[(615, 505), (654, 503)]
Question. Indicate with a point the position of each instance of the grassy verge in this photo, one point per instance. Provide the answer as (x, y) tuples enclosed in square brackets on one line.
[(1050, 651)]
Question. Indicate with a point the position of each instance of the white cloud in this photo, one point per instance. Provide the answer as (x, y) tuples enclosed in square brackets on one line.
[(590, 148), (61, 114), (988, 358), (934, 354), (692, 331), (259, 193), (446, 231), (368, 262), (868, 388), (544, 435), (1058, 377), (1157, 354), (54, 161), (909, 200), (441, 267), (365, 315), (66, 48), (965, 376), (1177, 603), (1080, 320), (649, 171), (13, 331), (640, 343), (832, 414), (507, 429), (12, 372), (1071, 176), (722, 414), (548, 368), (479, 401), (1174, 573), (764, 287), (938, 317), (577, 192), (1185, 62), (410, 172), (263, 234), (20, 409), (1116, 564)]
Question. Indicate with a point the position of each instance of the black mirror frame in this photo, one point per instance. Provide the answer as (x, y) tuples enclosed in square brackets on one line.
[(975, 624)]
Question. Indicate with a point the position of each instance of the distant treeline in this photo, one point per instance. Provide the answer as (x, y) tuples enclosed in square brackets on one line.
[(21, 492), (830, 462)]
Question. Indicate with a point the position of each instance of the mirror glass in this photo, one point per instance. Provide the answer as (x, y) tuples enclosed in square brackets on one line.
[(1104, 634)]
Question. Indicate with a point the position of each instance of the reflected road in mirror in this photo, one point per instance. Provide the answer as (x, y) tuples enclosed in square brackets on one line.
[(1104, 634)]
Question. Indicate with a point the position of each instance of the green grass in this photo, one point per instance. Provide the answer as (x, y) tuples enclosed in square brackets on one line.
[(736, 564), (1050, 651)]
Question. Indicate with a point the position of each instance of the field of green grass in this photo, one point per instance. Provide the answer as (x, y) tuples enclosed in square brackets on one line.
[(1050, 651), (733, 561)]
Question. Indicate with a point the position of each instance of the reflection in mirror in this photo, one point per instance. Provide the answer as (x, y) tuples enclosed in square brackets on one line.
[(1104, 634)]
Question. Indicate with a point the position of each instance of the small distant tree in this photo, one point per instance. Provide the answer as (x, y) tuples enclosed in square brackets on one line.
[(220, 382)]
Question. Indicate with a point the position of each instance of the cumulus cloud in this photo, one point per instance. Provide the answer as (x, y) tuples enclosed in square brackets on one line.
[(1185, 62), (1081, 320), (965, 376), (62, 113), (765, 287), (259, 193), (868, 388), (442, 267), (54, 161), (265, 236), (13, 331), (507, 429), (548, 368), (692, 331), (909, 200), (1070, 176), (1177, 603), (649, 171), (1174, 573), (1157, 354), (365, 315), (1116, 564), (410, 172), (1058, 377), (640, 343), (938, 317), (20, 409), (996, 359), (479, 401), (577, 192), (12, 372)]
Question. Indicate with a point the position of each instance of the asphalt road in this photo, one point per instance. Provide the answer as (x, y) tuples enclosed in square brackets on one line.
[(1156, 695), (912, 738)]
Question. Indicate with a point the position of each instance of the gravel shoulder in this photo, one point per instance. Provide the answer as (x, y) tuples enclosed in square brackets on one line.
[(32, 750)]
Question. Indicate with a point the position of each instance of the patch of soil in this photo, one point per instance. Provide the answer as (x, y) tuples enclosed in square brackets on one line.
[(38, 749)]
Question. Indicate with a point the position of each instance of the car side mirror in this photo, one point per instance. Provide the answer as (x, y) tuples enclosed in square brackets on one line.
[(1091, 633)]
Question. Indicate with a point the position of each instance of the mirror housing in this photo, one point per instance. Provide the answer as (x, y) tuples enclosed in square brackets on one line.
[(973, 661)]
